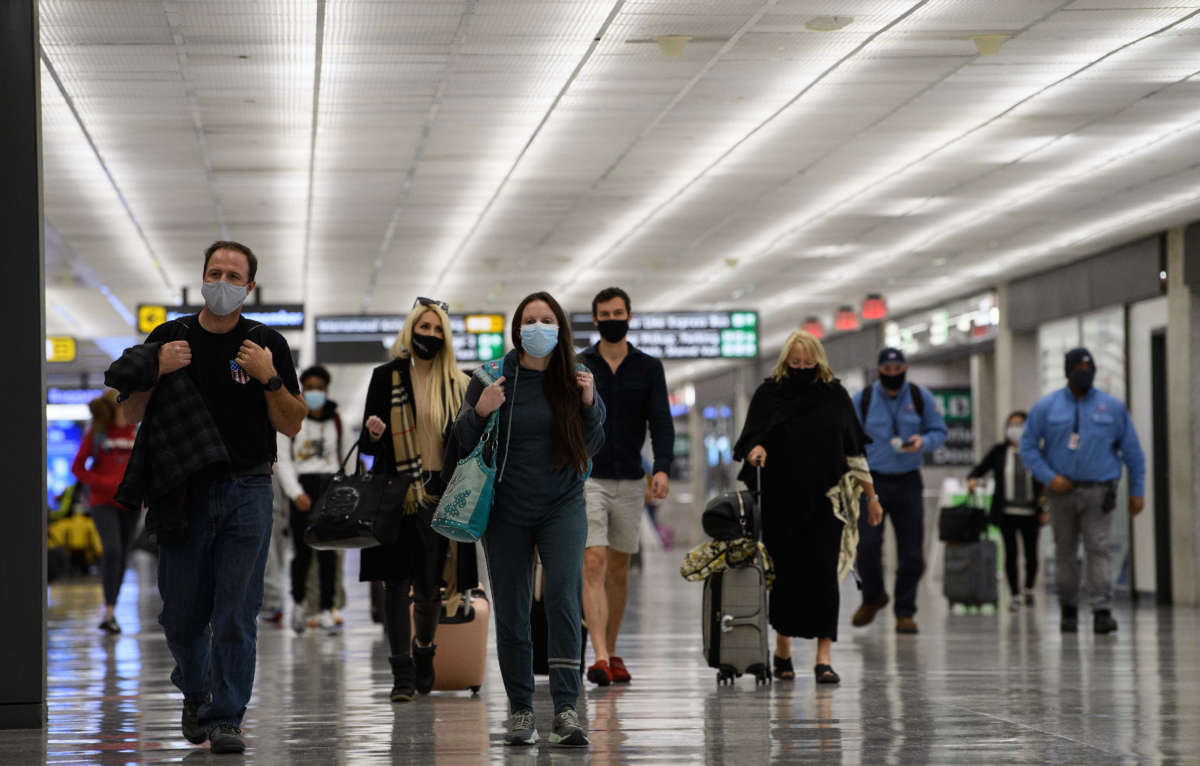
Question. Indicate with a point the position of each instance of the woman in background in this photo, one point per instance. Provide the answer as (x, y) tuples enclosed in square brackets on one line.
[(1016, 506), (108, 442)]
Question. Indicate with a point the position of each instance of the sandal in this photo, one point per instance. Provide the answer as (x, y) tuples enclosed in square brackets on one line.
[(783, 668), (825, 674)]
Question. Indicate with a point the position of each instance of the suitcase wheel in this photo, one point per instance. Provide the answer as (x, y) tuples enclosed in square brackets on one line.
[(761, 675), (474, 691), (726, 674)]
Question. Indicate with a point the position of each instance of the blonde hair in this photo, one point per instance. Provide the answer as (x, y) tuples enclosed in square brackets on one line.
[(812, 347), (448, 383)]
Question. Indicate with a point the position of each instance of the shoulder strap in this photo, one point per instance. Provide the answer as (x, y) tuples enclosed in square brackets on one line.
[(918, 398), (337, 422), (864, 402), (97, 438)]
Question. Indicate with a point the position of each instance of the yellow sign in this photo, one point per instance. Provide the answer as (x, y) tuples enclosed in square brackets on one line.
[(150, 316), (60, 349), (478, 323)]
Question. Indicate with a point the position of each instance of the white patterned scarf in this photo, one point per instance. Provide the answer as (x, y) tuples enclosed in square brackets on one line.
[(844, 497)]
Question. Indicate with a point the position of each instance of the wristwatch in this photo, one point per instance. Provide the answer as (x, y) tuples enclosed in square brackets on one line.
[(872, 499), (274, 384)]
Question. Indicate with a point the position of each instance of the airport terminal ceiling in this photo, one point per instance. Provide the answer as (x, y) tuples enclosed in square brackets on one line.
[(787, 156)]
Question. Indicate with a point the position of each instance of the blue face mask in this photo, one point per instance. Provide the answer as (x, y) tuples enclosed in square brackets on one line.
[(315, 399), (539, 340)]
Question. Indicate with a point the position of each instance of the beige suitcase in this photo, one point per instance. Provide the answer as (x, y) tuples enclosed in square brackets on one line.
[(461, 641)]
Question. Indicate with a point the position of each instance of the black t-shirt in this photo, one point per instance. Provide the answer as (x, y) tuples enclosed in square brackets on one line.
[(236, 401)]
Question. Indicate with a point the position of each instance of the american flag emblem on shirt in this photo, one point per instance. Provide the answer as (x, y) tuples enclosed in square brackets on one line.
[(239, 375)]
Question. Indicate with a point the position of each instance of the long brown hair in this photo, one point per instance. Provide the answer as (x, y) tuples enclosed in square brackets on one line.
[(566, 433), (104, 411)]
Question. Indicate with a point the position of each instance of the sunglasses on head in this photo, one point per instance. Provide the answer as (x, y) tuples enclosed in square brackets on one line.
[(420, 301)]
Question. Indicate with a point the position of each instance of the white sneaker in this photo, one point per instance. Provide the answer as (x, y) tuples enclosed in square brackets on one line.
[(325, 621), (299, 621), (1014, 605)]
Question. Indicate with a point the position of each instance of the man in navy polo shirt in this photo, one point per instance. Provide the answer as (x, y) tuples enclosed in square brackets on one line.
[(903, 423), (1074, 443)]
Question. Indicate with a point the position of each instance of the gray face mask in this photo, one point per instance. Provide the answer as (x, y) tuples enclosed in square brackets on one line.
[(223, 298)]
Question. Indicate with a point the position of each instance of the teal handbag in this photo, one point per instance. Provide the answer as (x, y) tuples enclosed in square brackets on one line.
[(464, 508)]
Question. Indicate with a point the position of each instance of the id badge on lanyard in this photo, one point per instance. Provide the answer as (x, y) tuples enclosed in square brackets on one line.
[(1073, 442)]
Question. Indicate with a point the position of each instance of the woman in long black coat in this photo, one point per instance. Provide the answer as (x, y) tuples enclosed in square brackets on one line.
[(804, 420), (410, 408)]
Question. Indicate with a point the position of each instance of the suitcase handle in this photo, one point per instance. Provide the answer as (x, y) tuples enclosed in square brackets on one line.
[(727, 623)]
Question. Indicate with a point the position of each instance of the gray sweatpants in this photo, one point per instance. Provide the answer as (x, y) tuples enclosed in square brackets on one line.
[(1074, 515)]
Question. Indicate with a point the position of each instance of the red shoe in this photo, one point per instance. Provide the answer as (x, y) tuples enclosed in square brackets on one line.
[(620, 674), (599, 673)]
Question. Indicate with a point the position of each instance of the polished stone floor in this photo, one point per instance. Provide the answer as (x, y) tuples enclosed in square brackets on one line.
[(984, 688)]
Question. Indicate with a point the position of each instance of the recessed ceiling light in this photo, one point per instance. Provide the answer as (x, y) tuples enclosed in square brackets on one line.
[(672, 45), (828, 23), (989, 45)]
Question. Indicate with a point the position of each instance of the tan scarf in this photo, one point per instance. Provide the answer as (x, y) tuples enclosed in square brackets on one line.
[(404, 444)]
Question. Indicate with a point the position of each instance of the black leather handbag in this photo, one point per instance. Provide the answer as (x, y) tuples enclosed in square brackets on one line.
[(735, 514), (358, 510), (963, 523)]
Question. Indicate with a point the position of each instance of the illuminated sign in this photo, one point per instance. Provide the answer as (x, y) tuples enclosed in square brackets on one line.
[(683, 334), (282, 316), (72, 395), (60, 348), (960, 323), (352, 338)]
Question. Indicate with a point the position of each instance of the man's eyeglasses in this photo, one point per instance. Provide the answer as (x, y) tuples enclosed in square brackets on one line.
[(420, 301)]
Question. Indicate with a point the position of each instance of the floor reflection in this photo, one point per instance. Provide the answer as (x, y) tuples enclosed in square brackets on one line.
[(971, 688)]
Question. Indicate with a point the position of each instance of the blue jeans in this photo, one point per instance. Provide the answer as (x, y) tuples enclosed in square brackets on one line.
[(212, 586), (901, 498), (559, 538)]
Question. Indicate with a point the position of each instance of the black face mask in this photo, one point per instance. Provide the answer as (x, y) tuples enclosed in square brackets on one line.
[(892, 382), (613, 330), (801, 377), (1081, 380), (427, 346)]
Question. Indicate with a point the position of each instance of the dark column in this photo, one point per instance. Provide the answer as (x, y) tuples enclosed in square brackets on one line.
[(23, 384)]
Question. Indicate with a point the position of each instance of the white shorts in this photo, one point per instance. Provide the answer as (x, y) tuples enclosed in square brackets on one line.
[(614, 513)]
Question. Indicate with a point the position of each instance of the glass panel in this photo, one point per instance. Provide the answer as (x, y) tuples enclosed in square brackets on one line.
[(1103, 333), (1054, 340)]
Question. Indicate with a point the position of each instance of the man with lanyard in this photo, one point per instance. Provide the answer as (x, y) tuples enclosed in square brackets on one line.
[(634, 387), (1074, 442), (211, 578), (903, 423)]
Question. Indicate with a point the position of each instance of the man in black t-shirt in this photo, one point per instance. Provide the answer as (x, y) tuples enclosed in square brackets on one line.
[(211, 581)]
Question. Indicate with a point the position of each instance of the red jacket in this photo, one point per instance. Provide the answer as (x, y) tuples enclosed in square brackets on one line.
[(108, 464)]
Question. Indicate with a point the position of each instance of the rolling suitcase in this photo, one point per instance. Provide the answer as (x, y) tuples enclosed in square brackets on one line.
[(461, 642), (735, 624), (735, 618), (970, 574)]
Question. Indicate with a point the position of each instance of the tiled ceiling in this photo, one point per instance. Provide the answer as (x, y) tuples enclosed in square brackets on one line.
[(481, 149)]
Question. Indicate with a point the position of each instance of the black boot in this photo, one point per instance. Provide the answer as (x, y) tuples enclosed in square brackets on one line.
[(1070, 619), (423, 661), (1103, 622), (402, 679)]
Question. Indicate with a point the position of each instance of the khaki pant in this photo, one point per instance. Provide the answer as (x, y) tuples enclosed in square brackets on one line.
[(1076, 515)]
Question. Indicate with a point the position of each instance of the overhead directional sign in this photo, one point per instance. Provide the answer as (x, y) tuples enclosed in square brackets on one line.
[(60, 348), (281, 316), (683, 334), (349, 338)]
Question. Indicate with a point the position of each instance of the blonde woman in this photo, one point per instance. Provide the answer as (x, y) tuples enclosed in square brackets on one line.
[(411, 404), (802, 429)]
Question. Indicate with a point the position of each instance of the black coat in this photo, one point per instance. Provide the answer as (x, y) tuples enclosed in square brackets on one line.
[(420, 553), (993, 462)]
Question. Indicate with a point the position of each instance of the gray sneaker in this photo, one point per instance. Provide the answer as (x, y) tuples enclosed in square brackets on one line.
[(227, 739), (568, 732), (521, 730)]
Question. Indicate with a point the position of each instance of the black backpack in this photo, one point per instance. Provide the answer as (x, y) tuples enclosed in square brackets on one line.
[(918, 400)]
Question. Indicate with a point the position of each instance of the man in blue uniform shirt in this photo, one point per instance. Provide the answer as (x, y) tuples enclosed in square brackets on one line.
[(1074, 443), (903, 423)]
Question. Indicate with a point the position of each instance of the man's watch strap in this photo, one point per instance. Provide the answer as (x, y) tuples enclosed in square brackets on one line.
[(274, 383)]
